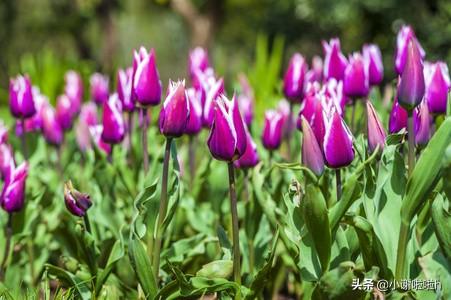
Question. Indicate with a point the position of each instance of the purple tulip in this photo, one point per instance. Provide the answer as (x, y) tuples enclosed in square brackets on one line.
[(113, 121), (309, 103), (438, 85), (215, 90), (7, 162), (334, 61), (13, 192), (411, 87), (398, 118), (96, 133), (356, 82), (124, 89), (293, 81), (312, 156), (373, 56), (250, 157), (246, 105), (21, 102), (422, 124), (3, 133), (74, 89), (51, 128), (146, 84), (376, 132), (334, 95), (174, 114), (198, 60), (76, 203), (99, 88), (194, 125), (338, 148), (318, 122), (315, 74), (404, 36), (88, 114), (87, 119), (272, 130), (64, 112), (227, 140)]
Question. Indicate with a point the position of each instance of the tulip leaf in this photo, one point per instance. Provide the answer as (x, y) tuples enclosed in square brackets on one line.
[(441, 218), (146, 207), (216, 269), (82, 287), (142, 267)]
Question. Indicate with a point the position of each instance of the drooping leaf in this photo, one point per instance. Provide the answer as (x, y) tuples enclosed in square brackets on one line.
[(142, 267)]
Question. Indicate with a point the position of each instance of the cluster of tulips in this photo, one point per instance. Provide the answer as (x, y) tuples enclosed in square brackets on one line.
[(324, 91)]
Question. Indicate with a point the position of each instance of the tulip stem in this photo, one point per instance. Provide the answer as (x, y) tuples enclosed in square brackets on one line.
[(411, 137), (130, 140), (23, 140), (87, 223), (353, 116), (401, 253), (338, 179), (8, 235), (144, 141), (289, 131), (235, 228), (192, 157), (162, 210)]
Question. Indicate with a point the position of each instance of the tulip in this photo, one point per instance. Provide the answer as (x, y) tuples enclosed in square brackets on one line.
[(338, 148), (77, 203), (334, 61), (87, 119), (293, 81), (146, 84), (99, 88), (3, 133), (404, 36), (113, 122), (318, 122), (51, 128), (422, 124), (376, 132), (246, 106), (198, 60), (124, 89), (64, 112), (7, 162), (334, 95), (96, 133), (175, 112), (21, 102), (250, 157), (312, 155), (438, 85), (74, 89), (372, 54), (398, 118), (356, 77), (214, 92), (13, 192), (194, 124), (315, 74), (88, 114), (272, 130)]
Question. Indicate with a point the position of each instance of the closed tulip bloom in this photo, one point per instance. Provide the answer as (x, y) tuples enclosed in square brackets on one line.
[(227, 140), (404, 36), (51, 128), (250, 157), (13, 192), (309, 104), (113, 121), (272, 130), (96, 133), (318, 122), (246, 105), (21, 101), (372, 54), (422, 124), (213, 93), (194, 125), (398, 118), (99, 88), (334, 95), (376, 132), (64, 112), (77, 203), (338, 148), (6, 162), (411, 87), (74, 89), (124, 89), (438, 85), (3, 133), (146, 85), (334, 61), (293, 81), (315, 74), (198, 60), (174, 114), (356, 82), (312, 156), (89, 114)]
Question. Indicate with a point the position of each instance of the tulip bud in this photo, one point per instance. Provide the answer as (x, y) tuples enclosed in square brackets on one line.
[(194, 124), (216, 88), (404, 36), (250, 157), (246, 106), (312, 155), (356, 82), (21, 102), (376, 132), (64, 112), (113, 121), (13, 192), (372, 54), (74, 89), (338, 148), (96, 133), (438, 85), (318, 122), (3, 133), (309, 104), (422, 124), (334, 95), (293, 81), (146, 84), (272, 130), (411, 87), (124, 89), (76, 203), (398, 118), (198, 60), (227, 140), (315, 74), (51, 129), (99, 88), (7, 162), (174, 114), (88, 114), (334, 61)]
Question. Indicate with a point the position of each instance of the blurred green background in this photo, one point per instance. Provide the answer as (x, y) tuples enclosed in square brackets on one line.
[(46, 37)]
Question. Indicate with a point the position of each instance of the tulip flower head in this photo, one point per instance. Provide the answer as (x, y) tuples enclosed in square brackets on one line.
[(214, 92), (318, 122), (227, 140), (3, 133), (99, 88), (77, 203), (88, 114), (174, 114), (308, 104), (194, 125), (7, 162), (250, 157), (312, 156), (338, 147), (334, 95), (96, 133), (438, 85), (13, 192), (315, 74), (376, 132), (398, 118), (113, 121), (198, 60), (272, 130), (21, 101), (64, 112), (293, 82), (404, 36), (422, 124), (334, 61), (356, 82), (74, 89), (51, 128), (146, 84), (124, 89), (372, 54)]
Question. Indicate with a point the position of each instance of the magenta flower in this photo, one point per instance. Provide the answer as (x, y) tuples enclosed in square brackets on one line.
[(398, 118), (13, 192), (216, 88), (334, 95), (334, 61), (96, 133), (312, 156), (438, 85), (372, 54), (338, 147), (315, 74), (422, 124), (21, 101), (88, 114), (146, 84), (308, 105), (99, 88), (74, 89), (356, 82), (227, 140), (293, 81), (124, 89), (51, 128), (250, 157), (7, 162), (318, 122), (113, 121), (198, 60), (87, 119), (404, 36), (174, 114), (64, 112), (77, 203), (272, 130), (194, 125), (3, 133), (376, 132)]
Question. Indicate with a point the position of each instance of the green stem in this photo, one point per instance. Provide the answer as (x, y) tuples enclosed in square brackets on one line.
[(235, 228), (353, 116), (338, 180), (130, 140), (251, 256), (192, 157), (411, 137), (144, 141), (8, 235), (162, 210), (23, 140), (87, 223), (289, 131), (402, 249)]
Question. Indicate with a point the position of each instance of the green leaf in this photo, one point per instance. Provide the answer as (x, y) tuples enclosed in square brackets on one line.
[(441, 217), (142, 267), (216, 269), (145, 213), (71, 280)]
